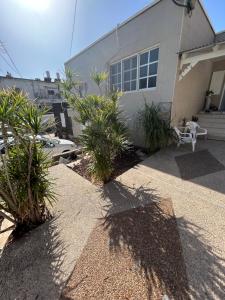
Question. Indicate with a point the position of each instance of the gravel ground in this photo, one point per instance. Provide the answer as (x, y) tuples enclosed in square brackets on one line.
[(134, 255)]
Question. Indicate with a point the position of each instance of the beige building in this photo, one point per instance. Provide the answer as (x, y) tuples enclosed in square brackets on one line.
[(166, 54), (44, 92)]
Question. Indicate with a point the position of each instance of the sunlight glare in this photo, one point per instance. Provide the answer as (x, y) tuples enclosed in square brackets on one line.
[(36, 5)]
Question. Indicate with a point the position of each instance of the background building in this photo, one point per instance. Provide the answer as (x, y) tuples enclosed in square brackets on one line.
[(44, 92)]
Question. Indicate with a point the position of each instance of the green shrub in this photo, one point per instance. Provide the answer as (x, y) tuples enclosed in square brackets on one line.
[(157, 131), (24, 183), (104, 134)]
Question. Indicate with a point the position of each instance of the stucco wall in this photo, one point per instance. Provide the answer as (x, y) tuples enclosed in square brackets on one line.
[(160, 24), (196, 29), (33, 88), (189, 97)]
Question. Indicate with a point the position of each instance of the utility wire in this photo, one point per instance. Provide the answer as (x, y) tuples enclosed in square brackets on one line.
[(10, 58), (7, 62), (74, 22)]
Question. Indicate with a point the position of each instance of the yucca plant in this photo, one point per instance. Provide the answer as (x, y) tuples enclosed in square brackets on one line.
[(25, 187), (104, 135), (157, 131)]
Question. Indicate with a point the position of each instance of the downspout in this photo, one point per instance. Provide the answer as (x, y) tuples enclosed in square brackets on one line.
[(117, 51), (177, 70)]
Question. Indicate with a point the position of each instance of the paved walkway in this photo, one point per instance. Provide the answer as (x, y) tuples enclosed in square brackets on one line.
[(38, 266), (199, 206)]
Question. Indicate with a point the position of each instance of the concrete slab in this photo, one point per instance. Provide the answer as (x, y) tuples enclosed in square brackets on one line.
[(38, 265), (199, 206)]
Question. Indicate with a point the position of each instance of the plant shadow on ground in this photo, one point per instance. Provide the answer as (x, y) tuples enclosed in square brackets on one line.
[(138, 220), (31, 266)]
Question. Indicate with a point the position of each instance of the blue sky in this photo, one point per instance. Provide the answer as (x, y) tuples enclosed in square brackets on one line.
[(37, 33)]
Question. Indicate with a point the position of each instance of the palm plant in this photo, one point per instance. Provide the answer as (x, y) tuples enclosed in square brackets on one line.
[(156, 130), (24, 183), (104, 135)]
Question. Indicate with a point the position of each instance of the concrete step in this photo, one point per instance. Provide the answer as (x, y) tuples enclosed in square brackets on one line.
[(214, 123), (212, 115)]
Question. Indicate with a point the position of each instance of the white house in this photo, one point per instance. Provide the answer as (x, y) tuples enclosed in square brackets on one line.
[(167, 54)]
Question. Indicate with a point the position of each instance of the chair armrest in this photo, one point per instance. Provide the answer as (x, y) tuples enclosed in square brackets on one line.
[(202, 131)]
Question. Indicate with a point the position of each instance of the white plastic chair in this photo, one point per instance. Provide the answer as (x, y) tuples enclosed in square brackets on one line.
[(196, 129), (185, 137)]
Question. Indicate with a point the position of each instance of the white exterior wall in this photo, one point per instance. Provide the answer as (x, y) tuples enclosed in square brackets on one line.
[(196, 30), (159, 25)]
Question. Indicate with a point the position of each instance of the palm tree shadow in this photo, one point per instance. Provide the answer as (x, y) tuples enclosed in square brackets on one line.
[(138, 220), (206, 268), (31, 267)]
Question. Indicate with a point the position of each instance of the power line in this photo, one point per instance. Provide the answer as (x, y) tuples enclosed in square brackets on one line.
[(74, 21), (7, 62), (10, 58)]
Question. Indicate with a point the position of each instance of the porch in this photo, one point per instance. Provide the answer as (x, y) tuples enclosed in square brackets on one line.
[(200, 89)]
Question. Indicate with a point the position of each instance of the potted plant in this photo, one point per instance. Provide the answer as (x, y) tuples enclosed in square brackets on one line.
[(208, 99)]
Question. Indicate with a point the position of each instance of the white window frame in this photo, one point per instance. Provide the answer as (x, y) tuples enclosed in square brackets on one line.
[(110, 77), (148, 64), (130, 70), (138, 54)]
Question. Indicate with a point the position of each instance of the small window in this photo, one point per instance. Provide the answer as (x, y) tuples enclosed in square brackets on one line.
[(148, 69), (130, 74), (51, 92), (115, 76)]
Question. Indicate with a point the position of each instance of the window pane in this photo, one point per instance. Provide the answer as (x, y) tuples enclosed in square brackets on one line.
[(126, 64), (126, 76), (153, 69), (154, 55), (144, 58), (143, 83), (143, 71), (134, 74), (113, 79), (133, 85), (119, 67), (113, 69), (134, 62), (152, 82), (126, 86), (119, 78)]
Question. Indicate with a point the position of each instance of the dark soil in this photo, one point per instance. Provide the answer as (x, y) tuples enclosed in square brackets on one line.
[(22, 229), (122, 163), (133, 255)]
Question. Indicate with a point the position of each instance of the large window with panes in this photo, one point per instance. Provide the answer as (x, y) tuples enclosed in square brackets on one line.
[(135, 73)]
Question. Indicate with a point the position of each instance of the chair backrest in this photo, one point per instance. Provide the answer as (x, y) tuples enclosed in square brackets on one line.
[(177, 131), (193, 126)]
